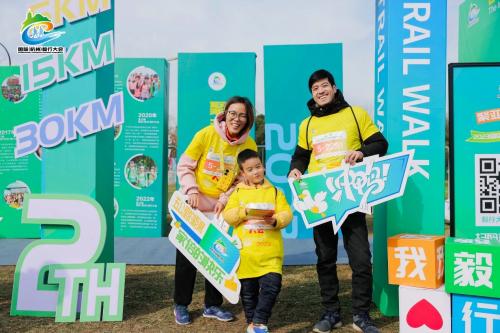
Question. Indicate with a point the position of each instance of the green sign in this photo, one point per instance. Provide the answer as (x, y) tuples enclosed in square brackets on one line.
[(66, 265), (471, 267), (83, 165), (410, 110), (208, 247), (18, 176), (475, 150), (206, 82), (330, 196), (479, 24), (140, 148)]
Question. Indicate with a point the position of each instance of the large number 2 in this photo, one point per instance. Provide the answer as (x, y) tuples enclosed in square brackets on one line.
[(31, 294)]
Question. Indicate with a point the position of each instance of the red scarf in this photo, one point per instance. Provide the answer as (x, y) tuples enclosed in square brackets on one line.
[(230, 137)]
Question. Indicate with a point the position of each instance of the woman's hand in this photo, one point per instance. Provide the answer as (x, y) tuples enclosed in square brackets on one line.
[(193, 200), (353, 156), (219, 207)]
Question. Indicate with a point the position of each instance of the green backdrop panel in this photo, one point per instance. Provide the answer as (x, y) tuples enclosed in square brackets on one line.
[(410, 76), (83, 166), (475, 150), (479, 24), (286, 74), (206, 81), (141, 148), (22, 175)]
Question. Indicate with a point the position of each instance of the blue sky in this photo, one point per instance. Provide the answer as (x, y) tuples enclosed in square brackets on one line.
[(155, 28)]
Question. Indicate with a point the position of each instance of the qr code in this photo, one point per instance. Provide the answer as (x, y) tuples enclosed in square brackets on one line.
[(487, 177)]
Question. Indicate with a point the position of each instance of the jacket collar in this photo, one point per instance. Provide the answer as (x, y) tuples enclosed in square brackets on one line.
[(334, 106), (266, 184)]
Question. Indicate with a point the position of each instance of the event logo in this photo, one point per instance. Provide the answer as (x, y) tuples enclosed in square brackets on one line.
[(38, 29), (473, 14), (334, 194), (217, 81), (219, 249)]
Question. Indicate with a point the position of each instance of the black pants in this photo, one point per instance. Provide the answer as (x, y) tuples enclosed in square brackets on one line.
[(355, 234), (258, 296), (185, 277)]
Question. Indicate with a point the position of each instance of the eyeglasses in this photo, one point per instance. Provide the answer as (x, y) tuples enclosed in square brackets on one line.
[(234, 114)]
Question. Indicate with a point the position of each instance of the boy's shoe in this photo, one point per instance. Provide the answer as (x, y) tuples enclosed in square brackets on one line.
[(217, 313), (328, 321), (363, 323), (181, 314), (257, 329)]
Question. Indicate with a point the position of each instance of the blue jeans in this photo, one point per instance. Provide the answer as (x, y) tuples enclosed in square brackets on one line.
[(258, 296)]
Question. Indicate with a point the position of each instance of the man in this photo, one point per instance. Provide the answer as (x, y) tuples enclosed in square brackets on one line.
[(335, 131)]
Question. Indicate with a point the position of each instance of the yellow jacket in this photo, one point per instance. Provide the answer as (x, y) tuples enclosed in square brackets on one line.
[(262, 244)]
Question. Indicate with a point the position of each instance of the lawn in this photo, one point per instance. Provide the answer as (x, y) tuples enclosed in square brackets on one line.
[(148, 306)]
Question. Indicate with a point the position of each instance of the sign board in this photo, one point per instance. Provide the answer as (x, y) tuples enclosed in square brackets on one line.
[(206, 245), (475, 150), (334, 194)]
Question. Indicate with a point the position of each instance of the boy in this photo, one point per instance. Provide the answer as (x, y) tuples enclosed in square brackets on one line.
[(258, 211)]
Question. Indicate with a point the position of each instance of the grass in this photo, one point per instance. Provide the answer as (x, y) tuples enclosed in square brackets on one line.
[(148, 306)]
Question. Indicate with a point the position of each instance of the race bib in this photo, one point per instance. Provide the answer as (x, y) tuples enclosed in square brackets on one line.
[(212, 164), (329, 145)]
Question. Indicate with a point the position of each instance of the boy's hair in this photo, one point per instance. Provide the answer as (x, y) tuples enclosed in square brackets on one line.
[(246, 155), (320, 75)]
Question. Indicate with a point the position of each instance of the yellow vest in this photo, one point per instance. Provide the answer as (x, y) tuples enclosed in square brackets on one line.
[(207, 147), (330, 137)]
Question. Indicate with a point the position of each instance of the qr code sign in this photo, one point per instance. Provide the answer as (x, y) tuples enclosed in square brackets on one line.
[(487, 177)]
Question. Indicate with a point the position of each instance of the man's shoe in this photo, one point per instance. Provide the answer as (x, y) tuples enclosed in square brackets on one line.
[(363, 323), (217, 313), (257, 329), (328, 321), (181, 315)]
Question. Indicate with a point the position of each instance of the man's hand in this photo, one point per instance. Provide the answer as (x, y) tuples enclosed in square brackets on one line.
[(193, 200), (353, 156), (295, 174)]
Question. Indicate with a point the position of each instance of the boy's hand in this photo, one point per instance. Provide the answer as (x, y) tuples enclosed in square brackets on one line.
[(219, 207), (271, 220)]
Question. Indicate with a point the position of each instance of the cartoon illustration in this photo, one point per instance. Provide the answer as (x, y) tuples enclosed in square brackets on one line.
[(316, 205)]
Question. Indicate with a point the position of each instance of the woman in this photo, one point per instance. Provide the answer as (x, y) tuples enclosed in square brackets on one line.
[(206, 176)]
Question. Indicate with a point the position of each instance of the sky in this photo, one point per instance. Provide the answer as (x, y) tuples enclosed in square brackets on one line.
[(163, 28)]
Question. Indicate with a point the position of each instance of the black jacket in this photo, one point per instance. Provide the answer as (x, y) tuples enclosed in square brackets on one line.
[(373, 145)]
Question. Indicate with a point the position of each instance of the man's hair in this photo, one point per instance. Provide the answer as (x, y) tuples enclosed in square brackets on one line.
[(246, 155), (321, 74)]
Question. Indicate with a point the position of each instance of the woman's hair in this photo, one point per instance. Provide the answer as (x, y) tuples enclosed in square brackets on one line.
[(248, 108)]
